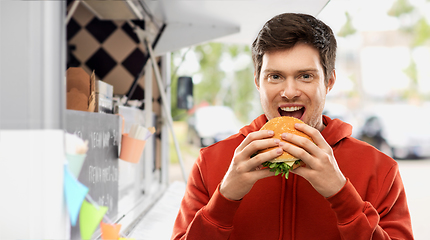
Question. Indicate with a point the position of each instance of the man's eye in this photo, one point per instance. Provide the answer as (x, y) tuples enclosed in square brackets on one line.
[(306, 77), (274, 77)]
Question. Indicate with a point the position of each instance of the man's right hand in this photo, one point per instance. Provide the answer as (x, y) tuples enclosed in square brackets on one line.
[(244, 170)]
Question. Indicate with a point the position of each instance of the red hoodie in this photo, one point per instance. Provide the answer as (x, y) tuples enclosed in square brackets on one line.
[(371, 205)]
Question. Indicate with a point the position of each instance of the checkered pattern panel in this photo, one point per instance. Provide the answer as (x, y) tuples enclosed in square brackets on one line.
[(111, 48)]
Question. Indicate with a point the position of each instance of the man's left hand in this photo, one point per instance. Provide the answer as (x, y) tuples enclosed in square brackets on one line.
[(321, 169)]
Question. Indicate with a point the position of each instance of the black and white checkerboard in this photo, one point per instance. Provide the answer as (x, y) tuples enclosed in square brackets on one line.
[(111, 48)]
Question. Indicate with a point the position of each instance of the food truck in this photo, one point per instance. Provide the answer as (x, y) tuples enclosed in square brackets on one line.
[(122, 51)]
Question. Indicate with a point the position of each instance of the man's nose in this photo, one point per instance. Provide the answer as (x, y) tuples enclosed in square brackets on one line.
[(289, 90)]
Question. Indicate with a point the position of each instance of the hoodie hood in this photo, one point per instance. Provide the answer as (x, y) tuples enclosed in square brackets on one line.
[(335, 129), (254, 126)]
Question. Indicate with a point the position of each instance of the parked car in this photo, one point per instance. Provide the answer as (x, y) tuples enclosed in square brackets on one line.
[(400, 130), (211, 124)]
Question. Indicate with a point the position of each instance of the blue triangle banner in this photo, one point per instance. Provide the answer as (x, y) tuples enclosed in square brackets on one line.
[(75, 193)]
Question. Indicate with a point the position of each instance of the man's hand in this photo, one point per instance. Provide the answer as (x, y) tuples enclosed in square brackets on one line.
[(321, 169), (245, 170)]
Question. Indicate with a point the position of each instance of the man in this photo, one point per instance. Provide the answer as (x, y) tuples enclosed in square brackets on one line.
[(348, 189)]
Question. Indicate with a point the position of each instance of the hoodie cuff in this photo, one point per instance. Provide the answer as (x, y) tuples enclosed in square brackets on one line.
[(347, 203), (221, 210)]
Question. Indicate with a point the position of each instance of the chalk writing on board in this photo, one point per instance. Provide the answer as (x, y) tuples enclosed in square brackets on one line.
[(100, 139), (78, 133), (107, 201), (97, 174), (100, 171)]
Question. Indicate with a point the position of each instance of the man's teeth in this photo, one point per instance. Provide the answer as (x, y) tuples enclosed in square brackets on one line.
[(291, 109)]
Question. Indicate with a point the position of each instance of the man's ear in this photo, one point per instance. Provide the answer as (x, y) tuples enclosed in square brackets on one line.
[(331, 81), (256, 82)]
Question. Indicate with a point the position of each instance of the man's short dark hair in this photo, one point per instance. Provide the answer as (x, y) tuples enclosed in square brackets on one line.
[(284, 31)]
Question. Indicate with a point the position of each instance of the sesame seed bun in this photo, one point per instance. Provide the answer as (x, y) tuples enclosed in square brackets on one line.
[(283, 125)]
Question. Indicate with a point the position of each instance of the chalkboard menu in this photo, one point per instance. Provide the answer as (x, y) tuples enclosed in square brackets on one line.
[(100, 170)]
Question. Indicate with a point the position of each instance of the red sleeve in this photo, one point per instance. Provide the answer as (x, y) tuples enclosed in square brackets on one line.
[(202, 216), (388, 218)]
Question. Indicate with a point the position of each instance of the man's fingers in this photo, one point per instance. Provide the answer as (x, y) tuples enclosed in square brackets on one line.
[(258, 145), (253, 137), (304, 148), (263, 173), (260, 158), (299, 147), (314, 134), (302, 171)]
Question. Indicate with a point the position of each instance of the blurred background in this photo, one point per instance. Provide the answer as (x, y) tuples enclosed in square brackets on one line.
[(382, 90)]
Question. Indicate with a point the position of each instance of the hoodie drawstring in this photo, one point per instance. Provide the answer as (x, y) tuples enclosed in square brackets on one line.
[(293, 217), (281, 211), (293, 178)]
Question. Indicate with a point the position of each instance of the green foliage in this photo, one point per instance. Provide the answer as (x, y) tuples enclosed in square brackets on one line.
[(420, 29), (421, 32), (240, 86), (280, 167), (400, 7), (355, 92), (411, 72), (348, 28), (209, 55), (242, 93), (217, 87), (177, 114)]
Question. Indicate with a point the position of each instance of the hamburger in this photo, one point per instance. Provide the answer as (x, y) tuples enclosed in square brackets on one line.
[(283, 163)]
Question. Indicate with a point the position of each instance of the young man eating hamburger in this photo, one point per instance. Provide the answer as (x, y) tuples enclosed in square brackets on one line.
[(346, 190)]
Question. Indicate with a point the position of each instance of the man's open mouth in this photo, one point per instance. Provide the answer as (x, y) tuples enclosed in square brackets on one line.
[(296, 111)]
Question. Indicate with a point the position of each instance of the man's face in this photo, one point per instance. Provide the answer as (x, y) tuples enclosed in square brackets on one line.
[(291, 83)]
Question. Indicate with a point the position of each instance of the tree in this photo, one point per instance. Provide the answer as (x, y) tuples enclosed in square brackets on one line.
[(420, 32), (238, 84), (217, 86), (177, 114), (399, 8), (348, 28), (209, 55)]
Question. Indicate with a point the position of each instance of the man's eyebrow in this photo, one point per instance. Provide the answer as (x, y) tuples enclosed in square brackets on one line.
[(308, 70), (271, 70), (267, 70)]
